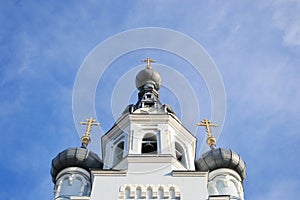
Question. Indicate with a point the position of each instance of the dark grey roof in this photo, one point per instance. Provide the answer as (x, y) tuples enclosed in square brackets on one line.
[(221, 158), (75, 157)]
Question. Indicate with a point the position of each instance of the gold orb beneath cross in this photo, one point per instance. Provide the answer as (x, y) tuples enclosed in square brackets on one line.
[(211, 141), (85, 140)]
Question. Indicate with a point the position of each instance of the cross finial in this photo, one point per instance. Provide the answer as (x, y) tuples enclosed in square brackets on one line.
[(211, 140), (86, 138), (148, 61)]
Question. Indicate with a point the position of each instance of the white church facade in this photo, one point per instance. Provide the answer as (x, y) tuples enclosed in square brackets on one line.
[(148, 154)]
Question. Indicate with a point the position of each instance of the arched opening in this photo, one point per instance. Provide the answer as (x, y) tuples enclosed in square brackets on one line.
[(172, 193), (149, 193), (180, 153), (118, 152), (71, 187), (127, 192), (72, 184), (160, 193), (149, 143), (138, 193)]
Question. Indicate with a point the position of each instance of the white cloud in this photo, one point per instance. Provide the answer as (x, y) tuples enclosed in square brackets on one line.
[(286, 17), (270, 88)]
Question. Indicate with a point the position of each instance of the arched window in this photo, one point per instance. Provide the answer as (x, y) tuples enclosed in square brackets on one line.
[(138, 193), (180, 153), (160, 193), (127, 192), (172, 192), (118, 152), (149, 143), (71, 187), (149, 193)]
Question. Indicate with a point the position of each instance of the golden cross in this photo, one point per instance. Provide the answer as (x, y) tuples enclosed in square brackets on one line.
[(211, 140), (207, 124), (85, 139), (148, 61)]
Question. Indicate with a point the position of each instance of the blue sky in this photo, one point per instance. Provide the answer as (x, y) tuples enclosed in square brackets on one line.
[(254, 44)]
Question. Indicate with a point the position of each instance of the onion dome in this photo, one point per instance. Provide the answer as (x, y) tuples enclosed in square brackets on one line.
[(75, 157), (148, 77), (218, 158)]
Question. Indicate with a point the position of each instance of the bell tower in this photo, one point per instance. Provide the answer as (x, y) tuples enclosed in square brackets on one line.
[(148, 129), (148, 154)]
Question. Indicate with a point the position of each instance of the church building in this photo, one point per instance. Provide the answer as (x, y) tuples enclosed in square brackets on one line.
[(148, 154)]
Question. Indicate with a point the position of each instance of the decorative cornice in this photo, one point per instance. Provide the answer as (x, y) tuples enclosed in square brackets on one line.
[(109, 172), (189, 174), (80, 198)]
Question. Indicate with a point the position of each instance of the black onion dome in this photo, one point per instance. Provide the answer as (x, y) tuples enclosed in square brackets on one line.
[(221, 158), (75, 157)]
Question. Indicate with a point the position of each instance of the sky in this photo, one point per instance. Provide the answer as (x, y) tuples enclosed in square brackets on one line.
[(254, 44)]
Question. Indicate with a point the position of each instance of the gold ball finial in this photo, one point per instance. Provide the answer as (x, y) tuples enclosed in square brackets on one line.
[(85, 140), (211, 141)]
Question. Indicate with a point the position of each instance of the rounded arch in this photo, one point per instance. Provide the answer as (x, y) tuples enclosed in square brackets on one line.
[(172, 192), (181, 154), (118, 152), (149, 192), (149, 143), (160, 192), (138, 192), (127, 192)]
